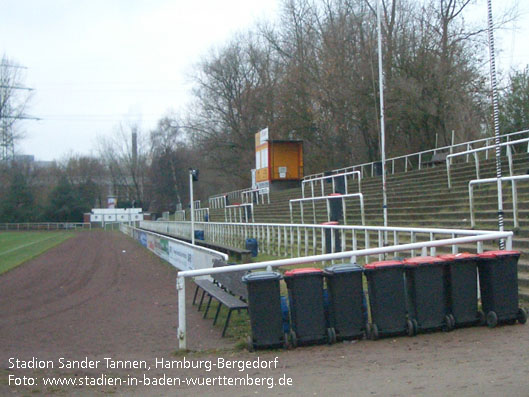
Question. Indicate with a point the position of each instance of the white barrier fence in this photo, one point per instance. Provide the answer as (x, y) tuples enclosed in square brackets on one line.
[(46, 226), (295, 240), (181, 255)]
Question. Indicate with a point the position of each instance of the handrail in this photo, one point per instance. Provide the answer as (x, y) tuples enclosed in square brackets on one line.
[(476, 158), (407, 157), (332, 177), (512, 179), (180, 281), (282, 239), (218, 201), (238, 208), (247, 196), (203, 213), (328, 198)]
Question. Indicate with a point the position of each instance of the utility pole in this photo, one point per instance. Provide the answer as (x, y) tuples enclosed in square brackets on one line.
[(10, 111)]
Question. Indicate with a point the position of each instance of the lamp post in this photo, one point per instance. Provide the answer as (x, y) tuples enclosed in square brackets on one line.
[(193, 176)]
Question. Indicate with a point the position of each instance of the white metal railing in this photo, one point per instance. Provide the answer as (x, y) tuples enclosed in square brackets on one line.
[(475, 152), (294, 240), (46, 226), (259, 195), (333, 178), (239, 213), (349, 256), (512, 179), (218, 201), (407, 161), (202, 213), (328, 202), (180, 215), (196, 204)]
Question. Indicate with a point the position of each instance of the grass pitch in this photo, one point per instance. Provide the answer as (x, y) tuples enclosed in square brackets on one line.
[(19, 247)]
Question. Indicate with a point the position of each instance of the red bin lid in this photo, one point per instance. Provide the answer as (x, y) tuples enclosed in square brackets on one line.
[(453, 257), (304, 270), (331, 223), (422, 260), (335, 194), (494, 254), (377, 265)]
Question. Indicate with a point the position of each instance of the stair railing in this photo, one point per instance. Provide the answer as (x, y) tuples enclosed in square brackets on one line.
[(476, 157), (369, 168), (327, 200), (512, 179)]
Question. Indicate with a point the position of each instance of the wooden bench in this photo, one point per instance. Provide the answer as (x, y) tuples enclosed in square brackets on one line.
[(227, 289), (437, 158), (240, 254)]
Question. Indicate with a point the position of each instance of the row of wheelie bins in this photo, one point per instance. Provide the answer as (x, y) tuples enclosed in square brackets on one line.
[(409, 296)]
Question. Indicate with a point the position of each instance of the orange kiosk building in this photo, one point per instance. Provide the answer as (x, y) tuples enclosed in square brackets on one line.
[(278, 163)]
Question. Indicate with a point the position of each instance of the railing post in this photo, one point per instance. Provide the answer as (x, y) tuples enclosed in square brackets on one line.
[(476, 159), (448, 159), (515, 203), (471, 204), (181, 288), (509, 158)]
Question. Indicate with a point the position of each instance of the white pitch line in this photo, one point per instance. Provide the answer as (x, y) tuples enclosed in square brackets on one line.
[(25, 245)]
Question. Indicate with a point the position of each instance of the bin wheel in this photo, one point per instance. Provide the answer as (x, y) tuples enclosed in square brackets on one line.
[(374, 332), (293, 338), (492, 319), (482, 320), (415, 326), (409, 328), (368, 331), (334, 339), (447, 327), (331, 336), (249, 344), (522, 315), (452, 321), (286, 342)]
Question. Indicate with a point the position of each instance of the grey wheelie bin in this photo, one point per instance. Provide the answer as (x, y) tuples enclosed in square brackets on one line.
[(426, 291), (347, 313), (462, 289), (264, 308), (498, 281), (387, 300), (307, 313)]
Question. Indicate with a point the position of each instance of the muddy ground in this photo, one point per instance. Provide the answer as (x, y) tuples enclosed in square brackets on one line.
[(101, 295)]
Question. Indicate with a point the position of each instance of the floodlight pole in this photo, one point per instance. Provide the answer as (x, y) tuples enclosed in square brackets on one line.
[(382, 123), (192, 206), (495, 108)]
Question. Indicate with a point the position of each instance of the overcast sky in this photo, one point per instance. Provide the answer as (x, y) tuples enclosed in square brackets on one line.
[(96, 63)]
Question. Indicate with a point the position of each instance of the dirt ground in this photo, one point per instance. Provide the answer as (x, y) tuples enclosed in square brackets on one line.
[(101, 295)]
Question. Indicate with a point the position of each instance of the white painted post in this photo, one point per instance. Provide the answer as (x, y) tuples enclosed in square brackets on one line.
[(181, 288), (515, 203)]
